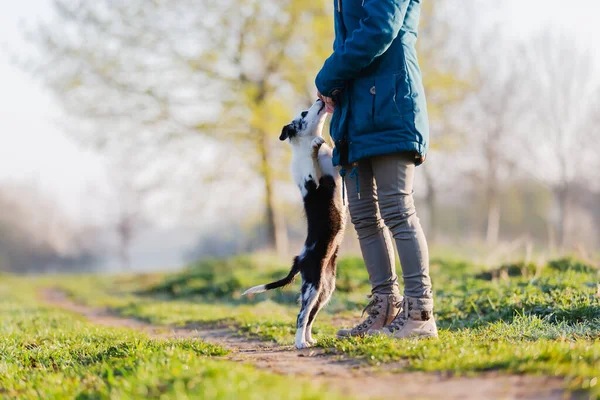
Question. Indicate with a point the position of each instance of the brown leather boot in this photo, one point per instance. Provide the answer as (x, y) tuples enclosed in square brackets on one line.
[(414, 320), (381, 312)]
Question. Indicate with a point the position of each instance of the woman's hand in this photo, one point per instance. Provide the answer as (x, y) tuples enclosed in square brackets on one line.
[(329, 102)]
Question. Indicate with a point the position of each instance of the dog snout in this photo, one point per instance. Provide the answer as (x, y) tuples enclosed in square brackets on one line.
[(322, 105)]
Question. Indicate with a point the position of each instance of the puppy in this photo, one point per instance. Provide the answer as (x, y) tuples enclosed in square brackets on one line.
[(321, 187)]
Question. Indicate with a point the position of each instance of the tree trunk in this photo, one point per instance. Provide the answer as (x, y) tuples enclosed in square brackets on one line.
[(124, 255), (431, 204), (493, 218), (276, 229), (493, 203), (125, 232), (551, 236), (562, 197)]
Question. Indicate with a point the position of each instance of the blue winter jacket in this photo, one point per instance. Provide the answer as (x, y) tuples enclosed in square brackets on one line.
[(374, 76)]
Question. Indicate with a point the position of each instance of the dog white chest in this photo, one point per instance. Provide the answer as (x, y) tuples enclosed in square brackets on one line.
[(303, 164)]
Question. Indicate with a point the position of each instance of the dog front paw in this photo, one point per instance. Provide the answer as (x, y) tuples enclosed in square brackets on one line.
[(317, 143)]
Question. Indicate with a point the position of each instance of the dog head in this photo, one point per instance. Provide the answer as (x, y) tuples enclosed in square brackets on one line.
[(308, 123)]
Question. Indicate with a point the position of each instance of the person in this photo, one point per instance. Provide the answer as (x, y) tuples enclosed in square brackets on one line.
[(373, 86)]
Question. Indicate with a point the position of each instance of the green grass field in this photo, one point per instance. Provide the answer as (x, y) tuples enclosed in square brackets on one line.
[(50, 354), (541, 320)]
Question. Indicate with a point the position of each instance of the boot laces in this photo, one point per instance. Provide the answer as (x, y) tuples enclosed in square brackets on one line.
[(372, 310), (400, 319)]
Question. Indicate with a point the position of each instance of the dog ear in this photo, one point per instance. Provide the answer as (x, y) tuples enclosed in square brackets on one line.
[(287, 131)]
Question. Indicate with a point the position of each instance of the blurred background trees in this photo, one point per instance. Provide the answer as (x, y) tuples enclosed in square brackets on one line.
[(186, 99), (564, 108), (228, 72), (36, 236)]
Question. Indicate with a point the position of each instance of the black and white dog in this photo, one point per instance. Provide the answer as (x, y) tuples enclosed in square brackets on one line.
[(321, 187)]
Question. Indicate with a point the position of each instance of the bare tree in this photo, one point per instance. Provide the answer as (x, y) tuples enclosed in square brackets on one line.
[(563, 135), (128, 220), (146, 191), (493, 113)]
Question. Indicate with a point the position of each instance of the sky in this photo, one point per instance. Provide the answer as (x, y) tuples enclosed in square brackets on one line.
[(34, 148)]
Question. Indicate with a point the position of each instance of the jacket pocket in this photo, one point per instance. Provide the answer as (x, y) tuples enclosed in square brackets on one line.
[(362, 110), (403, 94), (393, 101)]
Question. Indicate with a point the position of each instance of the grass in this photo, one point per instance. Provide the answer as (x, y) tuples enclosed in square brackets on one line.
[(514, 319), (49, 354)]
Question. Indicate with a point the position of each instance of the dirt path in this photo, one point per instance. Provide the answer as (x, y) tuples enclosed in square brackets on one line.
[(345, 375)]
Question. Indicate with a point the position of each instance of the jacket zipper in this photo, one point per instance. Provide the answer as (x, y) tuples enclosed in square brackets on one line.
[(339, 5)]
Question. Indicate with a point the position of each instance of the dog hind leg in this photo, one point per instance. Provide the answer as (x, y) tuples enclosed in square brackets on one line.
[(310, 295), (313, 314), (327, 287)]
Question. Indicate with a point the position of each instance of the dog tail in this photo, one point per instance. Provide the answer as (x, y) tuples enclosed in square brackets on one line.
[(280, 283)]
